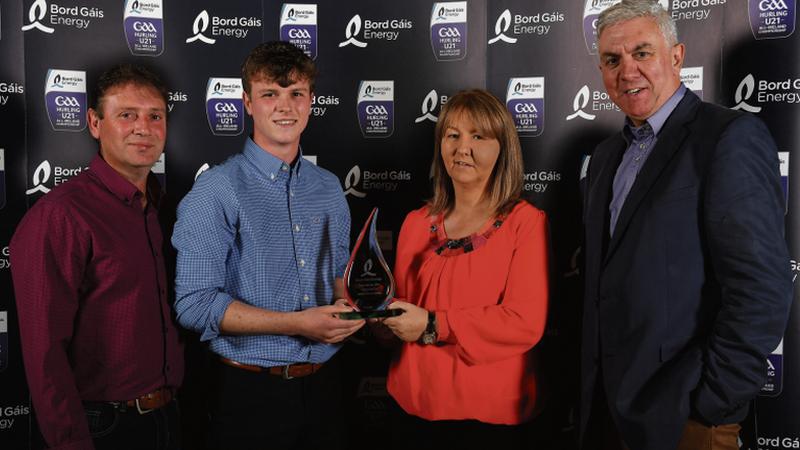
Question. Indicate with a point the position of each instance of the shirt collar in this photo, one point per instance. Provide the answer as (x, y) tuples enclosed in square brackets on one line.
[(269, 165), (659, 118), (119, 186)]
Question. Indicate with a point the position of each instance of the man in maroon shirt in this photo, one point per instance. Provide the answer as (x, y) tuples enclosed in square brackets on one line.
[(101, 352)]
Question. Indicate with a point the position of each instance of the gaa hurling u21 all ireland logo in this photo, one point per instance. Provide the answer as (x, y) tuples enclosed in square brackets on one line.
[(3, 339), (449, 30), (375, 107), (143, 21), (65, 99), (525, 102), (772, 19), (591, 11), (298, 25), (224, 106)]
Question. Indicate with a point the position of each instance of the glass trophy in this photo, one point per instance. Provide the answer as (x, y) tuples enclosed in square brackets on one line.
[(368, 282)]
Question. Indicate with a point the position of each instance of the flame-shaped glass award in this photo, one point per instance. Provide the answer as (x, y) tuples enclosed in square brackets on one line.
[(368, 282)]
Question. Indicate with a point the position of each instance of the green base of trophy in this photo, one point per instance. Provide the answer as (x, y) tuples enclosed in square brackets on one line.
[(358, 315)]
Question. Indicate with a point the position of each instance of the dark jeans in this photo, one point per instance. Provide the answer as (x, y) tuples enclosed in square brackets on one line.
[(262, 411), (412, 432), (113, 428)]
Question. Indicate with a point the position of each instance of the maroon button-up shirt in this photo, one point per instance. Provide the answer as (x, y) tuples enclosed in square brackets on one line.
[(91, 293)]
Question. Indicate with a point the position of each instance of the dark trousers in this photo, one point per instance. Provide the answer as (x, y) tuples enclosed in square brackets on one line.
[(412, 432), (115, 428), (263, 411)]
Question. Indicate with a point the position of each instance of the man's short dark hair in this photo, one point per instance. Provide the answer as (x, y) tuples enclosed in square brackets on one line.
[(280, 62), (121, 75)]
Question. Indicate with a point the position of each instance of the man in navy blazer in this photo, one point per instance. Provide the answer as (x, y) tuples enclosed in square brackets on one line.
[(688, 284)]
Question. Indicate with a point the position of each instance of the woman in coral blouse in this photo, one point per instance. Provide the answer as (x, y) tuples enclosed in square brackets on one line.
[(471, 272)]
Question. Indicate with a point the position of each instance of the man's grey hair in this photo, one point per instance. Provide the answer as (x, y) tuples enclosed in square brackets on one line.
[(632, 9)]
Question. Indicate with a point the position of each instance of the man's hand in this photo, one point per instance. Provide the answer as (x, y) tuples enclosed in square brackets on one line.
[(409, 325), (322, 324)]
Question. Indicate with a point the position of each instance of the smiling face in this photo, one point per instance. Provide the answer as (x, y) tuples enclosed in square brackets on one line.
[(640, 69), (131, 125), (280, 114), (469, 154)]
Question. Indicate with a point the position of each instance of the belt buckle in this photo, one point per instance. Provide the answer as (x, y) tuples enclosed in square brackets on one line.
[(143, 411), (285, 373)]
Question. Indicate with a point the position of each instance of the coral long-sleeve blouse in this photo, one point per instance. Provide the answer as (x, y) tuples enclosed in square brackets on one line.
[(489, 293)]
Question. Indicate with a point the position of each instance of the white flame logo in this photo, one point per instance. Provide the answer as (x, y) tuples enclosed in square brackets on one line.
[(580, 102), (351, 180), (199, 27), (743, 93), (428, 105), (351, 31), (368, 269), (500, 27), (40, 176), (35, 14), (202, 169)]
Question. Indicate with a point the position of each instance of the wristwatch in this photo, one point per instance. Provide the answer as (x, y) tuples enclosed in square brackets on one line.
[(429, 336)]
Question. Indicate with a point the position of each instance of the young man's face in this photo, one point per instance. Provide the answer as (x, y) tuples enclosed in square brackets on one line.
[(133, 128), (641, 70), (280, 114)]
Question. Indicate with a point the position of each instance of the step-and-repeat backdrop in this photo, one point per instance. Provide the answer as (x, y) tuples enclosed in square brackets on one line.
[(386, 68)]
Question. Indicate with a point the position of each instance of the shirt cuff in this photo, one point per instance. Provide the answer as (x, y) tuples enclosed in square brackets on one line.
[(219, 305)]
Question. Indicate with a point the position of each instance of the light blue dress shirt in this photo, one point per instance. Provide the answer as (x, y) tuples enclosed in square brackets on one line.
[(641, 141), (268, 234)]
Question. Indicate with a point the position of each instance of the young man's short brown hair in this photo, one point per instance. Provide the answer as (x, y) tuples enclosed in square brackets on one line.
[(280, 62)]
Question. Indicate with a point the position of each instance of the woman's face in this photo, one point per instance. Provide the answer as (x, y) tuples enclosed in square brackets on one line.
[(469, 155)]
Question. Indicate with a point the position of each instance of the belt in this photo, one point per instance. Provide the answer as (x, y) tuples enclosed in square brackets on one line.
[(147, 402), (286, 372)]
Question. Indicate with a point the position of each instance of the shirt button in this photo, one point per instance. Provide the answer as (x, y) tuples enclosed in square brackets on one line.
[(284, 167), (302, 263), (641, 146), (272, 176), (291, 192), (297, 228), (305, 298)]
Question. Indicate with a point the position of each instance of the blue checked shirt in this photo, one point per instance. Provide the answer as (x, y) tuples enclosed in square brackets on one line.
[(270, 235)]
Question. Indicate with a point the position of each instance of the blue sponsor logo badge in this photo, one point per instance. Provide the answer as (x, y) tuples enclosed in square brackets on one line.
[(298, 25), (449, 30), (772, 19), (375, 108), (774, 383), (4, 334), (783, 157), (525, 102), (224, 106), (159, 170), (692, 77), (2, 178), (65, 99), (143, 22)]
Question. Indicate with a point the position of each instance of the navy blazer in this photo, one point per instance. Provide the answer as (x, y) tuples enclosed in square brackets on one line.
[(690, 294)]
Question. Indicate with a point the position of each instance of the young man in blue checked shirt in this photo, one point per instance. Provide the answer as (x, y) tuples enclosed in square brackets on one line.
[(263, 240)]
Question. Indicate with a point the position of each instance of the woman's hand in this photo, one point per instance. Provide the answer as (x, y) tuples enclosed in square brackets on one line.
[(410, 325)]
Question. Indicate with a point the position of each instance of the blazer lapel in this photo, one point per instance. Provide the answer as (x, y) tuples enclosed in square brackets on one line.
[(606, 159), (669, 142)]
